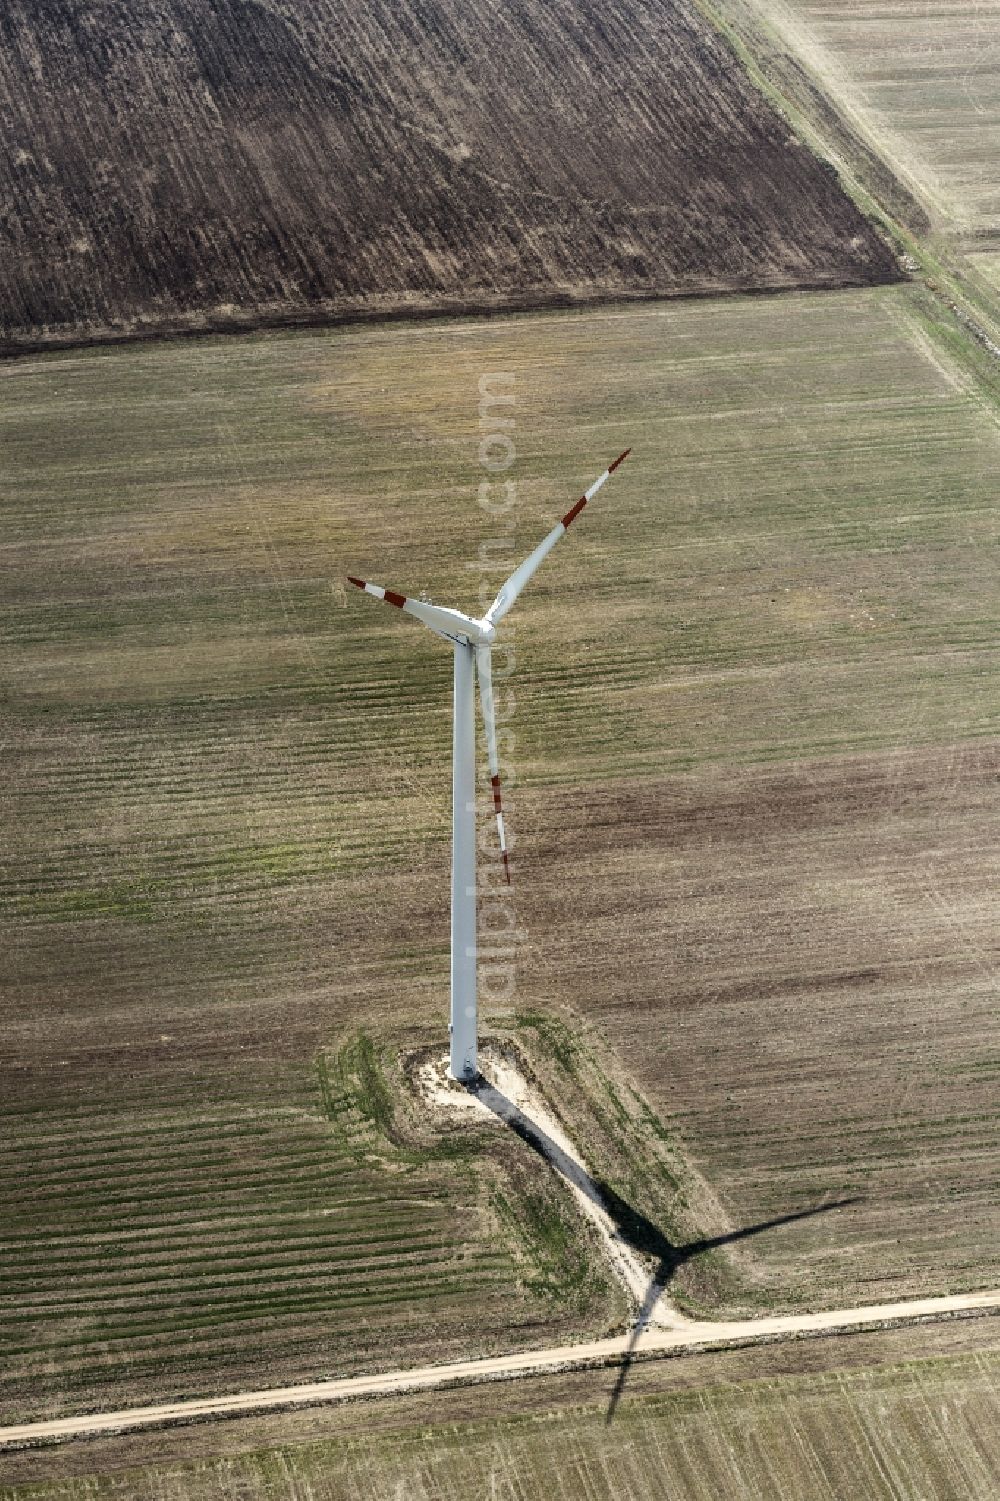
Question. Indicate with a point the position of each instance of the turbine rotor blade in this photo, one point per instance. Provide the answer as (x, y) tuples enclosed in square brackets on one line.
[(442, 621), (484, 670), (512, 588)]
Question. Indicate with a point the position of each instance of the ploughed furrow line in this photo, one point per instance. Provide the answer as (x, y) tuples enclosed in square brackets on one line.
[(243, 872), (278, 774), (237, 1187), (197, 1148), (205, 1357), (891, 1140), (374, 1295), (276, 1206), (269, 1314), (145, 1171), (147, 1282), (96, 1238), (179, 1242), (343, 1206), (911, 1139), (213, 791), (104, 758), (342, 1276), (334, 1222), (56, 1167), (177, 1256), (180, 1132), (187, 1257)]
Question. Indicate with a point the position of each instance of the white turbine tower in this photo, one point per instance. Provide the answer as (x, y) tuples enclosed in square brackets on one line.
[(472, 641)]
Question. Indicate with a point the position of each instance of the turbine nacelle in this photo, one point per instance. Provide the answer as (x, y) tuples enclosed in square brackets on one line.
[(478, 636)]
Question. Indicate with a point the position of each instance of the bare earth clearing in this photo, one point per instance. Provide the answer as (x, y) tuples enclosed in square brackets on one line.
[(226, 163), (505, 1096)]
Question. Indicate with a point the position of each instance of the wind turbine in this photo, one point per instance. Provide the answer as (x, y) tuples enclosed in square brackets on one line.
[(472, 640)]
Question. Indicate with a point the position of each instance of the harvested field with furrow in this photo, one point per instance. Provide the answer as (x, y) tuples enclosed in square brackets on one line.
[(169, 1256), (752, 783)]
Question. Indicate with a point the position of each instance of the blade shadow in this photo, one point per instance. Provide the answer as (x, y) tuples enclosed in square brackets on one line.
[(649, 1302), (634, 1228)]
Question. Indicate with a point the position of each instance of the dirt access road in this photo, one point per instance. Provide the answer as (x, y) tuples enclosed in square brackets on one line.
[(602, 1352)]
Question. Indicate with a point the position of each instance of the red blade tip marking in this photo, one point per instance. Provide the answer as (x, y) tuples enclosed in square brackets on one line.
[(399, 600), (571, 516), (619, 460), (506, 866), (358, 583)]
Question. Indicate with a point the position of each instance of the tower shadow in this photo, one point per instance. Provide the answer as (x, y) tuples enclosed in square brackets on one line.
[(633, 1227)]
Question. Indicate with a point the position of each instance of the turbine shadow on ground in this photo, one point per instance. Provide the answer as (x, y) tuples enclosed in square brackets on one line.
[(634, 1228)]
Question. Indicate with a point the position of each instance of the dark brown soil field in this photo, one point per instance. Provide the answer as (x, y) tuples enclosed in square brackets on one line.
[(176, 164)]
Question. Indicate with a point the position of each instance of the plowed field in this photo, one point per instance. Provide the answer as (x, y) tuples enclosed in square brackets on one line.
[(182, 164)]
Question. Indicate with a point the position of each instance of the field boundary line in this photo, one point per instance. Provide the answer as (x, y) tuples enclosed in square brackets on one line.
[(927, 261)]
